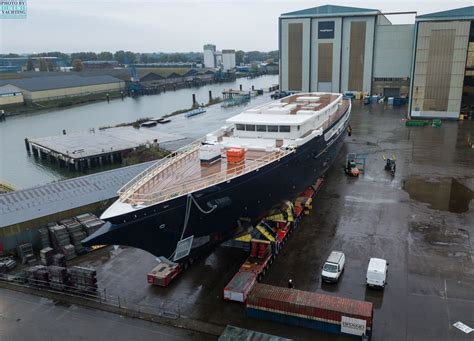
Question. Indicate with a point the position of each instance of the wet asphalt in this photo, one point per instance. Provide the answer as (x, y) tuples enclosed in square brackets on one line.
[(421, 220)]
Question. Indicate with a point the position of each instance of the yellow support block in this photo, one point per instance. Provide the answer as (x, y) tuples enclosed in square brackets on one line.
[(265, 233), (245, 238)]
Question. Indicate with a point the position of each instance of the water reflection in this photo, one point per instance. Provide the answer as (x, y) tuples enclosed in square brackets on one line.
[(445, 194)]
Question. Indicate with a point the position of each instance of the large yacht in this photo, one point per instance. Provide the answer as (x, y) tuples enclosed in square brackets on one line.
[(203, 192)]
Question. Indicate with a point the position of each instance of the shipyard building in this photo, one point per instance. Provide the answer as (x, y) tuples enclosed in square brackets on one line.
[(338, 49), (46, 88)]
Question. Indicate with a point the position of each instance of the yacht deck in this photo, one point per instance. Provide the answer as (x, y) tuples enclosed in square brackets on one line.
[(184, 173)]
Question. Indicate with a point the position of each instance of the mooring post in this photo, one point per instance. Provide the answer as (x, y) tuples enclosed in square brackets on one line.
[(210, 96), (240, 87), (27, 145)]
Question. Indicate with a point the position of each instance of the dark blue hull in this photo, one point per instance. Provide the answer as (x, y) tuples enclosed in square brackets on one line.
[(158, 228)]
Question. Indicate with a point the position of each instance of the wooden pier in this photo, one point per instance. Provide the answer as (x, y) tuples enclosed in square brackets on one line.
[(84, 150)]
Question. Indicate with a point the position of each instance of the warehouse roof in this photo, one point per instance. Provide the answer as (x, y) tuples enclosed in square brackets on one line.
[(330, 10), (58, 82), (8, 89), (452, 14), (32, 203)]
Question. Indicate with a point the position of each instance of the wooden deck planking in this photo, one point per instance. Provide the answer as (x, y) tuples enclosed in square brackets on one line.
[(190, 169)]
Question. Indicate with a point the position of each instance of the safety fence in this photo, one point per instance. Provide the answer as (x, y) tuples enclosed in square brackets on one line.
[(165, 308)]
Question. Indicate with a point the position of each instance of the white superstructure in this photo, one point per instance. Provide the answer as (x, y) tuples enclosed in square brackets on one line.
[(290, 121)]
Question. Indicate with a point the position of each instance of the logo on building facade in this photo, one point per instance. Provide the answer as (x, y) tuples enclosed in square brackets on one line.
[(12, 9), (326, 30)]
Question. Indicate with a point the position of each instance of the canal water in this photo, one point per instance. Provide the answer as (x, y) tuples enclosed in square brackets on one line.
[(23, 171)]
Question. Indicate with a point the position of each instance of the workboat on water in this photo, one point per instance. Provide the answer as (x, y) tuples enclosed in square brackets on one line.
[(201, 193)]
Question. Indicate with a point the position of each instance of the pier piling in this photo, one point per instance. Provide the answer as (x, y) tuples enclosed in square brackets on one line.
[(240, 87), (210, 95), (27, 145)]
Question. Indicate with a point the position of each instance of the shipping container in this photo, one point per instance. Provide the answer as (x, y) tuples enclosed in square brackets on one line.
[(311, 310)]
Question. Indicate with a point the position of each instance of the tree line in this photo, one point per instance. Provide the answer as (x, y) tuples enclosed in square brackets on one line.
[(129, 57)]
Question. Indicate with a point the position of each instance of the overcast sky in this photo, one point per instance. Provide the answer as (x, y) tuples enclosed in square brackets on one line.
[(152, 26)]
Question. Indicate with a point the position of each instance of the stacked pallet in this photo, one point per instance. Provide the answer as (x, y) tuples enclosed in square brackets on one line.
[(25, 253), (61, 241), (44, 238), (69, 252), (59, 260), (90, 222), (46, 256), (83, 279), (38, 275), (58, 277), (59, 236), (76, 233)]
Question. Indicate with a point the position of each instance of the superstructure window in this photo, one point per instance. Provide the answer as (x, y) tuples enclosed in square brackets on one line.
[(250, 127), (240, 126), (272, 129), (284, 129), (261, 128)]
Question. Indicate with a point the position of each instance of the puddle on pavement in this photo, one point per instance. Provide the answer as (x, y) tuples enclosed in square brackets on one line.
[(444, 194)]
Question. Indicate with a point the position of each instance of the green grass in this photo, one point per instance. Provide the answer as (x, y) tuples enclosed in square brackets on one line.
[(10, 75), (60, 103), (144, 154)]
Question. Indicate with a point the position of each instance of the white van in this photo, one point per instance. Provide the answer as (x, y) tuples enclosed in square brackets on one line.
[(333, 267), (377, 273)]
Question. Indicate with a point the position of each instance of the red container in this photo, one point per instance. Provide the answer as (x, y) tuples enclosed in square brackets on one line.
[(163, 274), (310, 306)]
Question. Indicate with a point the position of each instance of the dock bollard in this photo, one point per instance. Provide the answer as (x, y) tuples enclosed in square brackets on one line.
[(27, 145)]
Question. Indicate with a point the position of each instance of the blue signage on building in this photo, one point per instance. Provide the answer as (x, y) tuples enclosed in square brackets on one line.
[(326, 30)]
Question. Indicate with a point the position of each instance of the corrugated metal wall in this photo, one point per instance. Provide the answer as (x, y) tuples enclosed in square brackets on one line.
[(356, 55), (325, 62), (393, 51), (295, 56), (438, 70), (440, 60)]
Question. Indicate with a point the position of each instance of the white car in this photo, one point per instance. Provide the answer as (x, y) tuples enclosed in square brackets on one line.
[(377, 273), (333, 267)]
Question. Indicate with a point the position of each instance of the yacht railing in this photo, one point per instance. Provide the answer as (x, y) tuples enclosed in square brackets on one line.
[(201, 183), (138, 181)]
